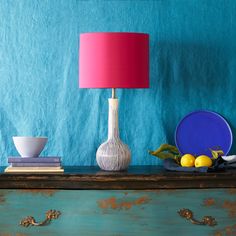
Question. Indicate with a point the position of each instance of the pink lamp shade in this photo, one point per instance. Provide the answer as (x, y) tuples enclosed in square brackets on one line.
[(114, 60)]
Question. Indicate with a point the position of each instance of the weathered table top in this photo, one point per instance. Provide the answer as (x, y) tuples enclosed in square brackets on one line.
[(137, 177)]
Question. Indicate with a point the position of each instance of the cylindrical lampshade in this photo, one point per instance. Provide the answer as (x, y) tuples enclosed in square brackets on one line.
[(114, 60)]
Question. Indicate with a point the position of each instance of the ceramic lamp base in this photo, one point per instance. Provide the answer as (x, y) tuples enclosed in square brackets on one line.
[(113, 155)]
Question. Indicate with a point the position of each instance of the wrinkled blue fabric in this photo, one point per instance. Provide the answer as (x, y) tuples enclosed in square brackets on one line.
[(192, 67)]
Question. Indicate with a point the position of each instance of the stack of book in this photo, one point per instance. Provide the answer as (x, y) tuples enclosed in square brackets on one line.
[(37, 164)]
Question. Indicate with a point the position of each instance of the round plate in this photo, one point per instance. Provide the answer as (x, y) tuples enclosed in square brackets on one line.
[(201, 130)]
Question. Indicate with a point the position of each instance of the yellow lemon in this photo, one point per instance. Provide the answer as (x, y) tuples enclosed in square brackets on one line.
[(187, 160), (203, 160)]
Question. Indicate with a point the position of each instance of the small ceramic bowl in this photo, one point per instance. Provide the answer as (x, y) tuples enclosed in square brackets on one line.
[(229, 158), (29, 146)]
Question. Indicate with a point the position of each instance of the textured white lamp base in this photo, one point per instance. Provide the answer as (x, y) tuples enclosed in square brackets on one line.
[(113, 155)]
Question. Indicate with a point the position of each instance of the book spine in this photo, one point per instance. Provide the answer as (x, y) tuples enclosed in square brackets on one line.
[(28, 170), (33, 160), (34, 168), (55, 164)]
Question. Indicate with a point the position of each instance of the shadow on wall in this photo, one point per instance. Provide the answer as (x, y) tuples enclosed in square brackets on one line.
[(6, 143), (192, 77)]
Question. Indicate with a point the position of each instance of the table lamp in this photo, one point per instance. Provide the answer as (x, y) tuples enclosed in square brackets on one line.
[(113, 60)]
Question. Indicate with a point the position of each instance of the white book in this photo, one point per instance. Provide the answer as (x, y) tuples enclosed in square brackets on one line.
[(33, 169)]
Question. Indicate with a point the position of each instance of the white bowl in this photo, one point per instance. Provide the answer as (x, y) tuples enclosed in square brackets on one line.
[(29, 146), (229, 158)]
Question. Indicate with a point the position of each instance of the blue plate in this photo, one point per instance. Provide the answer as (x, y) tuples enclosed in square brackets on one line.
[(201, 130)]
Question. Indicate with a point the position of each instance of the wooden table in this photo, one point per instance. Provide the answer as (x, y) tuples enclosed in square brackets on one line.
[(145, 200)]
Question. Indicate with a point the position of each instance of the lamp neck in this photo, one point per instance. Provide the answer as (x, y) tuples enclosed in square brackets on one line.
[(113, 95), (113, 127)]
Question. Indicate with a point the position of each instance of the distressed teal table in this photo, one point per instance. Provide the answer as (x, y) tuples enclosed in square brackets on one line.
[(145, 200)]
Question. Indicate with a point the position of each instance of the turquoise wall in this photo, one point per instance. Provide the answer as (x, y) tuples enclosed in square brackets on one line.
[(193, 66)]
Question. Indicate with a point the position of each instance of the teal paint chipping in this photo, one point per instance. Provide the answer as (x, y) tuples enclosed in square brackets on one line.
[(125, 213), (192, 67)]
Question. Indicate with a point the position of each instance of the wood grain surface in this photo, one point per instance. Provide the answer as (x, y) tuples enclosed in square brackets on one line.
[(137, 177)]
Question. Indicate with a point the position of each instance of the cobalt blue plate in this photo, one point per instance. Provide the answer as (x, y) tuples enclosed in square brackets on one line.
[(200, 131)]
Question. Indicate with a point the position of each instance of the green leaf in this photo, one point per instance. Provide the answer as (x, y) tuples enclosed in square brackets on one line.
[(216, 153), (167, 151)]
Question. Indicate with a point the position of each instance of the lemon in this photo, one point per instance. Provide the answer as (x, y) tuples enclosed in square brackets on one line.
[(187, 160), (203, 160)]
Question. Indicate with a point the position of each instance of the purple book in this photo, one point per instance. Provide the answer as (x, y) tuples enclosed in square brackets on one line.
[(33, 159), (36, 164)]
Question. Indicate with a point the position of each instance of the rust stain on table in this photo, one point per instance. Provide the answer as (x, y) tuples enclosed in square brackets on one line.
[(46, 192), (2, 199), (218, 233), (113, 203), (231, 191), (209, 202), (9, 234), (228, 230), (5, 234), (231, 207)]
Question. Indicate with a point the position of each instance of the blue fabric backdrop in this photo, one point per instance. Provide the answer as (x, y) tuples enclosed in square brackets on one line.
[(193, 66)]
